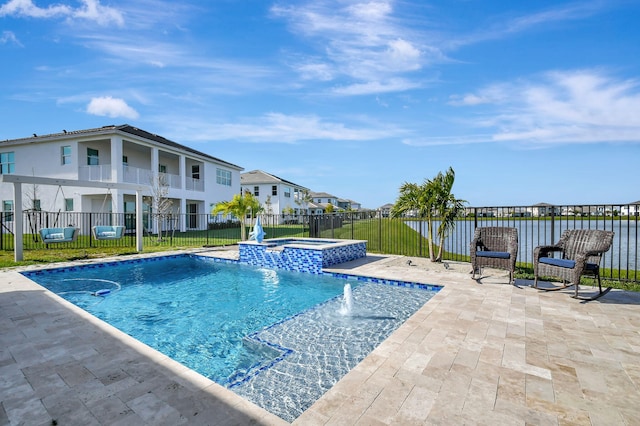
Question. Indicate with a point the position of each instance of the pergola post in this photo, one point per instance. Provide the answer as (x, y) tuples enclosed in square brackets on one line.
[(17, 221), (139, 223)]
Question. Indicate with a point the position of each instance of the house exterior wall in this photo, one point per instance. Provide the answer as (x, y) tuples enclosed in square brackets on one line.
[(43, 157)]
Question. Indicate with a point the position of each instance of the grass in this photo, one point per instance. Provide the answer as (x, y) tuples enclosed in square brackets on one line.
[(385, 237)]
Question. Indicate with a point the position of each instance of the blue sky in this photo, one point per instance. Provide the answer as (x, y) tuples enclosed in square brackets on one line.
[(528, 101)]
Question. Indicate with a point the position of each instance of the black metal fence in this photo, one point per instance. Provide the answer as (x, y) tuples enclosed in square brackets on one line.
[(537, 225)]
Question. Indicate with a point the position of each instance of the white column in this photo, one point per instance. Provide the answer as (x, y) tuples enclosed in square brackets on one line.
[(17, 221), (183, 214), (116, 159)]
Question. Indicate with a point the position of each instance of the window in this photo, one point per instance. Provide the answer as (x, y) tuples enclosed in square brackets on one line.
[(274, 190), (195, 172), (287, 192), (256, 191), (93, 159), (66, 155), (36, 205), (223, 177), (162, 168), (125, 160), (7, 164), (68, 204), (7, 210)]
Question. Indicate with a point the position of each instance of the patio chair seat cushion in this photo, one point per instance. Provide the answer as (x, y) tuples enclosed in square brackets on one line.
[(107, 234), (55, 236), (565, 263), (496, 254)]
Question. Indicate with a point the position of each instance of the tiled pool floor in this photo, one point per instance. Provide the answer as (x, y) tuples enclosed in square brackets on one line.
[(477, 353)]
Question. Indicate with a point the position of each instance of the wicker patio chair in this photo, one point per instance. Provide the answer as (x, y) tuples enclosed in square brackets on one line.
[(494, 247), (580, 251)]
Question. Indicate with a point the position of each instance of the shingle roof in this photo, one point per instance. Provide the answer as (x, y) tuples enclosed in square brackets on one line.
[(125, 128), (259, 176)]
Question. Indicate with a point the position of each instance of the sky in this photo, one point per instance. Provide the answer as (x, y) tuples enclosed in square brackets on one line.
[(528, 101)]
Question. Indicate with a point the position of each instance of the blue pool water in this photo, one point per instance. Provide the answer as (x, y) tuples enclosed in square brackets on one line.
[(278, 338)]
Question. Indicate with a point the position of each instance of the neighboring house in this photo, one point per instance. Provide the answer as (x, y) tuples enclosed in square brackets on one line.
[(322, 200), (355, 206), (120, 154), (343, 204), (633, 209), (385, 210), (275, 194), (545, 209)]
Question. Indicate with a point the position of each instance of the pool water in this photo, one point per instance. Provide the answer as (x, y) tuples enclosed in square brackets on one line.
[(278, 338)]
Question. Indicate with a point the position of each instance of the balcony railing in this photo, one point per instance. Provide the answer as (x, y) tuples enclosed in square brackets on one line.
[(99, 173), (136, 175), (195, 184)]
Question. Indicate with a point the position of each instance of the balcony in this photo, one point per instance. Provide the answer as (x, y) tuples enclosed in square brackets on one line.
[(195, 184), (100, 173)]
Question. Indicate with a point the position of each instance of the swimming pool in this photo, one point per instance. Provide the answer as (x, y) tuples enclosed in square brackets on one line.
[(277, 338)]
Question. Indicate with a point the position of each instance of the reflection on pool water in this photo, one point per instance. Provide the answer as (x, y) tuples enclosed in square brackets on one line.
[(277, 338)]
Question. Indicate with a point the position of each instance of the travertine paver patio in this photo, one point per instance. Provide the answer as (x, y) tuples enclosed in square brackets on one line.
[(477, 353)]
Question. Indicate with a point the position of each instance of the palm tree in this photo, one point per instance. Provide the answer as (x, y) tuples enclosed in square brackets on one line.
[(239, 206), (419, 199), (433, 199), (448, 207)]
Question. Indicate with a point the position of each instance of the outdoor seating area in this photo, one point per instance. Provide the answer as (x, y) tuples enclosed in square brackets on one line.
[(107, 232), (579, 253), (494, 247), (58, 235)]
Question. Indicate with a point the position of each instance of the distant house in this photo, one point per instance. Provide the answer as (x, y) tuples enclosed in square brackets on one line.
[(545, 209), (276, 195), (321, 201), (385, 210), (633, 209)]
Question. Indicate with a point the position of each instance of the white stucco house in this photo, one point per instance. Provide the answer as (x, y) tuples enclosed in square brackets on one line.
[(276, 195), (120, 154)]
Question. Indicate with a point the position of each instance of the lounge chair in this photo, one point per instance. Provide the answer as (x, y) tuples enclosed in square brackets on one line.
[(494, 247), (580, 252)]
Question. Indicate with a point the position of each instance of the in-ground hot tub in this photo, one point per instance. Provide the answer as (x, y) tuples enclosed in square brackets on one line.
[(301, 254)]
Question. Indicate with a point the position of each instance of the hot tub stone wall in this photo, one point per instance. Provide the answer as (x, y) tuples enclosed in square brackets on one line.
[(309, 260)]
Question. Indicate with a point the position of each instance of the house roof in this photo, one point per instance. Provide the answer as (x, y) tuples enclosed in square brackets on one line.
[(123, 128), (259, 176), (321, 195)]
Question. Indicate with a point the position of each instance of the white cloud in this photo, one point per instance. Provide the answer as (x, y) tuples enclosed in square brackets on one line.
[(583, 106), (363, 42), (90, 10), (111, 107), (373, 87), (280, 128), (9, 37)]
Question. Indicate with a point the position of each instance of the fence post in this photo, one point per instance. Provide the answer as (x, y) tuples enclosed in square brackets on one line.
[(553, 224)]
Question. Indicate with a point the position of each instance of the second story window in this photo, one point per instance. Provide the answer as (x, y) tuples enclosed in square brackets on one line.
[(125, 160), (287, 192), (195, 172), (274, 190), (66, 155), (162, 168), (93, 159), (7, 164), (223, 177), (7, 209), (256, 191)]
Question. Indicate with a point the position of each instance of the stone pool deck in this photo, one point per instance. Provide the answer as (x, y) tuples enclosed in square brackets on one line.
[(484, 353)]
